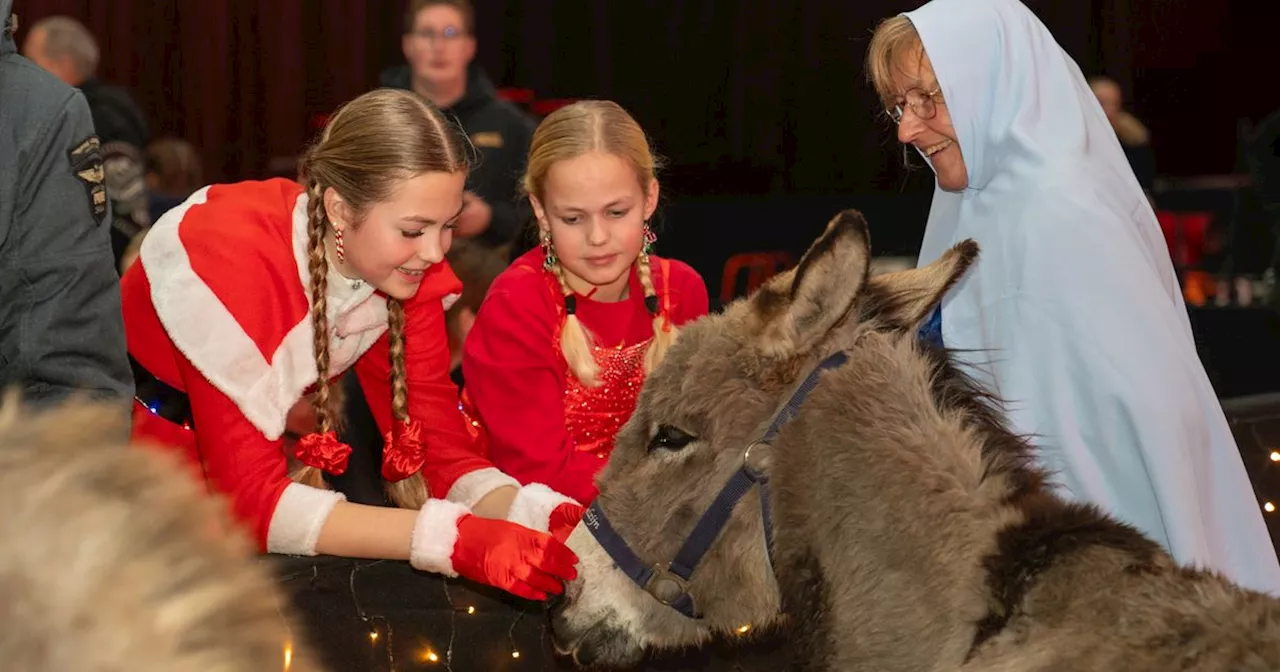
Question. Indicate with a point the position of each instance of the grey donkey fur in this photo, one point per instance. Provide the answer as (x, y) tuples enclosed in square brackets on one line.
[(912, 530), (113, 559)]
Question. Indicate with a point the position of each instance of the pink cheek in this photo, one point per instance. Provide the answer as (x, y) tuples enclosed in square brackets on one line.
[(408, 250)]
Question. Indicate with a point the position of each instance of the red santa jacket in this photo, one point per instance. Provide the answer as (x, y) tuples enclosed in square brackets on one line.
[(219, 307)]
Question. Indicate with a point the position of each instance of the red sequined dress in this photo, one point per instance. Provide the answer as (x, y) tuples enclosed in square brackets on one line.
[(534, 419)]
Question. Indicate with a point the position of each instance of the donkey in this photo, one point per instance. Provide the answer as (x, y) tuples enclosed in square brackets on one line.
[(899, 525), (112, 558)]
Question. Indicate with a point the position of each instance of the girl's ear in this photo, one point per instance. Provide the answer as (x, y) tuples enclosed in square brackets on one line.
[(335, 209), (539, 212), (651, 200)]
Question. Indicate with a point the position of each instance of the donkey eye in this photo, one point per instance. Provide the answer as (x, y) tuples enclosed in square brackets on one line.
[(669, 438)]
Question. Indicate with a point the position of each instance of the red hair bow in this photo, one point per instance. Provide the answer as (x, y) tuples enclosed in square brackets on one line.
[(324, 452), (404, 452)]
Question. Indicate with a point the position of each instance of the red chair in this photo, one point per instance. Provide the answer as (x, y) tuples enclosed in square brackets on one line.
[(760, 266), (1185, 234)]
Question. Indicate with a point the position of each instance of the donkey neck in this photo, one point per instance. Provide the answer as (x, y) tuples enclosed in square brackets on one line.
[(885, 511)]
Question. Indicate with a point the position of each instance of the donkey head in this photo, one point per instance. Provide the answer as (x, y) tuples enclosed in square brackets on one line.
[(713, 397)]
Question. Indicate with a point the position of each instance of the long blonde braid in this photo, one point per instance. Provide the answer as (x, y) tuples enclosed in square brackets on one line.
[(575, 340), (664, 333), (411, 492), (325, 402)]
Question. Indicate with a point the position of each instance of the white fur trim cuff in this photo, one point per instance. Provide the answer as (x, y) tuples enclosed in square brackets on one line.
[(299, 517), (434, 536), (533, 505), (471, 488)]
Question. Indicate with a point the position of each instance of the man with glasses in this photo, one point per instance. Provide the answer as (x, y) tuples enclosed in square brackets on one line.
[(440, 46)]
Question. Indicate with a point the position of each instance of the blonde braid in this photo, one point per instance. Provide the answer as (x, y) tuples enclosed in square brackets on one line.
[(411, 492), (318, 264), (575, 341), (664, 333), (395, 348)]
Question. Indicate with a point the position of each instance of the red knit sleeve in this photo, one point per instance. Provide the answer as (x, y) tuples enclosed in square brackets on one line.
[(689, 299), (238, 459), (433, 397), (515, 378)]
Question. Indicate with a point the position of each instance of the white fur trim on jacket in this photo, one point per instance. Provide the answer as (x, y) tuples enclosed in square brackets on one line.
[(533, 505), (299, 517), (202, 328), (471, 488), (434, 536)]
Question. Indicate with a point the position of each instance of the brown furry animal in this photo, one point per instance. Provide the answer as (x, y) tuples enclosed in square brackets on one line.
[(110, 560), (912, 529)]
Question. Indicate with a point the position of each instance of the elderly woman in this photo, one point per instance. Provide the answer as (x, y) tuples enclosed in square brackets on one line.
[(1073, 315)]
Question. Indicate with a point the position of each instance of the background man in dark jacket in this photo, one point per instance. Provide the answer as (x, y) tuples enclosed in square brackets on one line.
[(440, 46), (61, 328)]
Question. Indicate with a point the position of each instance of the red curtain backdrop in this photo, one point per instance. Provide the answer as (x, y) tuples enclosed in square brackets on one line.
[(769, 91), (239, 78)]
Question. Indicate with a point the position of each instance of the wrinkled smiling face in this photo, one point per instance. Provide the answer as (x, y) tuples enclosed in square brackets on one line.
[(713, 395)]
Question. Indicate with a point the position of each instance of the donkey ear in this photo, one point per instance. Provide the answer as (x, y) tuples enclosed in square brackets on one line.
[(910, 296), (802, 306)]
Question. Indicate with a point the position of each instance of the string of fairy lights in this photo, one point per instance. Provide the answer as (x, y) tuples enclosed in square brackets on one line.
[(1268, 505), (381, 634)]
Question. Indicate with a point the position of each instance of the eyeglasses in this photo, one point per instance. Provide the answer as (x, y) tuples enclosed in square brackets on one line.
[(449, 34), (920, 102)]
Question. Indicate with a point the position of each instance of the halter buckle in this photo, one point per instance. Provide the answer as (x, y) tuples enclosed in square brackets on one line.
[(664, 585), (757, 459)]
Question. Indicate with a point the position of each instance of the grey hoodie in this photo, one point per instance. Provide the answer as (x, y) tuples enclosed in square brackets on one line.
[(61, 328)]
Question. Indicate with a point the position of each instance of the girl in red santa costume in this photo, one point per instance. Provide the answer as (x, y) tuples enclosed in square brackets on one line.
[(561, 345), (249, 297)]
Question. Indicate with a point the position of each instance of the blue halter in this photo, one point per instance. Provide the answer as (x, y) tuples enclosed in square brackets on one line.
[(669, 582)]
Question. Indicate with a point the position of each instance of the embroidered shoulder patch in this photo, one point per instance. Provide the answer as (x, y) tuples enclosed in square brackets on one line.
[(488, 139), (86, 163)]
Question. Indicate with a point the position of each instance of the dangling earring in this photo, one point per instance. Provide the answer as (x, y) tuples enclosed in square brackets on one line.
[(337, 245), (649, 239), (549, 259)]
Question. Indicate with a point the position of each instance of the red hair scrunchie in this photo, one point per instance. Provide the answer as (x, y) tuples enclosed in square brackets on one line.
[(404, 453), (323, 451)]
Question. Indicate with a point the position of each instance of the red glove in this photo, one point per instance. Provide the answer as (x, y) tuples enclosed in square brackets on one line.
[(538, 507), (449, 540), (563, 519)]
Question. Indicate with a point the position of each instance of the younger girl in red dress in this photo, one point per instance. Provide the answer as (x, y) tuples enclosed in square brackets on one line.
[(565, 336), (250, 296)]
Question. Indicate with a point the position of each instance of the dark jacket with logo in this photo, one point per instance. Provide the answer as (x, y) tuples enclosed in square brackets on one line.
[(501, 133), (61, 328)]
